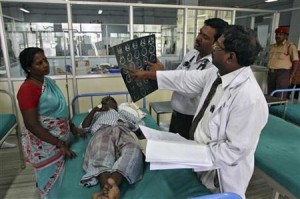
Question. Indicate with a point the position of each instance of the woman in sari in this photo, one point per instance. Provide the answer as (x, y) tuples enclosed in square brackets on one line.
[(45, 137)]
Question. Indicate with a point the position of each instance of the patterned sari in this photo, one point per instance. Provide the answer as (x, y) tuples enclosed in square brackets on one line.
[(47, 160)]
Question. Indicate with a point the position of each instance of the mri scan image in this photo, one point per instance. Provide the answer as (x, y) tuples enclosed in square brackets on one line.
[(133, 54)]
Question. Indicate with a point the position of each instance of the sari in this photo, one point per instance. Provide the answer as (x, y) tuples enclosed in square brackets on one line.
[(46, 159)]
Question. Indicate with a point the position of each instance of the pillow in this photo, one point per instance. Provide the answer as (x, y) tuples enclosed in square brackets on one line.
[(132, 108)]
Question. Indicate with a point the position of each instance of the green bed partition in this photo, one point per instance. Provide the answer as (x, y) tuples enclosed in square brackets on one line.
[(278, 153)]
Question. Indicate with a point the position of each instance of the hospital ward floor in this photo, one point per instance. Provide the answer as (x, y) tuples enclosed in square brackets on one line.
[(17, 183)]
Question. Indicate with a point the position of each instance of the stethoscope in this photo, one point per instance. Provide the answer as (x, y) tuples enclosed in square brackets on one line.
[(187, 64), (202, 64)]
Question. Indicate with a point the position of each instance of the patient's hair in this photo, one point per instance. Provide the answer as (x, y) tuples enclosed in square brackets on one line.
[(109, 102)]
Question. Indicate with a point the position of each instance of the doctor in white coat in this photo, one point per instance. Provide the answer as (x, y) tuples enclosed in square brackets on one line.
[(236, 114)]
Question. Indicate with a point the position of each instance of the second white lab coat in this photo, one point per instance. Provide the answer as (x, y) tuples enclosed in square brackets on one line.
[(234, 126)]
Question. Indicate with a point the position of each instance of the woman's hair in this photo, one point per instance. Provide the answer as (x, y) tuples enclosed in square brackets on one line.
[(26, 58)]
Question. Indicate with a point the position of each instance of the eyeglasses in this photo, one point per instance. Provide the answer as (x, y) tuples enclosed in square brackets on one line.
[(216, 46)]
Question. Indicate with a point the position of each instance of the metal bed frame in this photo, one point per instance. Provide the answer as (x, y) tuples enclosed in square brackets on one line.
[(14, 128)]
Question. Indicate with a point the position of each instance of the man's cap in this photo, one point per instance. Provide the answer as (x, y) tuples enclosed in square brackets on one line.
[(284, 30)]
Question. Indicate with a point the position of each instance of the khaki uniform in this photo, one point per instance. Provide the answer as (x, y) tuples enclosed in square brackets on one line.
[(280, 63), (282, 56)]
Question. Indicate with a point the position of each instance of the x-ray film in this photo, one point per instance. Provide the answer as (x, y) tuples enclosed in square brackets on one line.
[(133, 54)]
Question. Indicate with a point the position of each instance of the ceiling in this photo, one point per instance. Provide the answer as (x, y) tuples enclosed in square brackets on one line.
[(88, 10), (260, 4), (254, 4)]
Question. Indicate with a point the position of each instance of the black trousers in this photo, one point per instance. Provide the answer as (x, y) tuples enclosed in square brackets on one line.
[(278, 79), (181, 123)]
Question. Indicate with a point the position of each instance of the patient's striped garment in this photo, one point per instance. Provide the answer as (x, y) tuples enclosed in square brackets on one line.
[(111, 118)]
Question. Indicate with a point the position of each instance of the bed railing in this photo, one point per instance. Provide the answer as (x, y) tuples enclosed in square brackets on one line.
[(282, 91), (219, 196), (15, 127)]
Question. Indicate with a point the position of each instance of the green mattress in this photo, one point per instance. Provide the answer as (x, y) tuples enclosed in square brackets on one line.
[(292, 112), (177, 183), (278, 153), (7, 121)]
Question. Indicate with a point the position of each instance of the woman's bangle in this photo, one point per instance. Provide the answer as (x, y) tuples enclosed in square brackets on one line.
[(60, 144)]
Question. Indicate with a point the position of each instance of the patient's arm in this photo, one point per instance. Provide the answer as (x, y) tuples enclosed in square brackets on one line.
[(77, 131), (89, 118)]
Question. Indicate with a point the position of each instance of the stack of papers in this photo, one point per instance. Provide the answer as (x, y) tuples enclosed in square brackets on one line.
[(167, 150)]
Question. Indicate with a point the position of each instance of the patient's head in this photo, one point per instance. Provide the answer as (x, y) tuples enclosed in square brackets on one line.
[(109, 102)]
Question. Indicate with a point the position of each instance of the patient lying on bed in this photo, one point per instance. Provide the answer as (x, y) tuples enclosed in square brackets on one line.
[(112, 153)]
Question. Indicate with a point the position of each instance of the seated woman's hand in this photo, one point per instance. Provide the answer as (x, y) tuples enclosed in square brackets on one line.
[(65, 150), (68, 152)]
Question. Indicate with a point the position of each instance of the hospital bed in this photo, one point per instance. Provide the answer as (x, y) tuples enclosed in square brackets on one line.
[(160, 184), (9, 124), (277, 157), (292, 111)]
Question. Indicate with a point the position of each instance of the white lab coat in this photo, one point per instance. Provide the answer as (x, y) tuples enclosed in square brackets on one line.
[(182, 103), (234, 126)]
